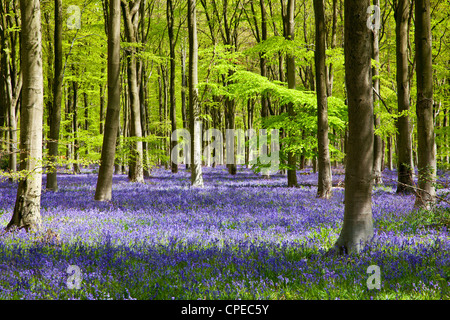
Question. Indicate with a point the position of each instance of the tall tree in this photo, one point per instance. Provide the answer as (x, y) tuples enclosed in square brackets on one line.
[(55, 112), (425, 197), (289, 22), (404, 137), (11, 87), (173, 104), (131, 19), (324, 183), (105, 174), (76, 141), (194, 108), (28, 201), (358, 225), (333, 45), (378, 142)]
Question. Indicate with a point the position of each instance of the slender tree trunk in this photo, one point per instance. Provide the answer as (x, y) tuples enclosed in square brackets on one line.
[(333, 45), (262, 59), (194, 110), (117, 162), (67, 118), (160, 130), (378, 143), (324, 183), (102, 109), (12, 134), (55, 114), (144, 120), (358, 225), (390, 160), (404, 138), (27, 207), (3, 104), (173, 104), (105, 174), (3, 145), (230, 109), (166, 145), (183, 87), (263, 66), (7, 76), (125, 127), (445, 125), (426, 151), (290, 61), (76, 142), (131, 17)]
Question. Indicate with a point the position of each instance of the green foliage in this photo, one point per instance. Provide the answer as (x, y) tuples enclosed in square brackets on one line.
[(301, 129)]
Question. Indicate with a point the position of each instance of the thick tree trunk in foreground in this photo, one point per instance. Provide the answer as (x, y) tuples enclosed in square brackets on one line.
[(404, 138), (28, 202), (105, 174), (358, 224), (55, 114), (324, 183), (194, 109), (426, 195)]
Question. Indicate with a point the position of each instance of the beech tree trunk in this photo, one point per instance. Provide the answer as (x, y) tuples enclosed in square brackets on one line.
[(194, 109), (324, 183), (333, 45), (426, 151), (378, 142), (105, 174), (131, 17), (358, 225), (173, 104), (290, 62), (184, 87), (28, 201), (404, 137), (10, 92), (76, 143), (55, 114)]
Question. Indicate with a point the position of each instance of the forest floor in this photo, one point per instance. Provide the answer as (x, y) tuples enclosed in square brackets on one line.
[(239, 237)]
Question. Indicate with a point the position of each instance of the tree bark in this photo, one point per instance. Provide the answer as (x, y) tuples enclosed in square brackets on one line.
[(445, 125), (426, 151), (8, 75), (105, 174), (131, 17), (290, 62), (194, 110), (76, 143), (378, 143), (27, 207), (404, 138), (55, 114), (324, 183), (333, 45), (183, 87), (173, 104), (358, 225)]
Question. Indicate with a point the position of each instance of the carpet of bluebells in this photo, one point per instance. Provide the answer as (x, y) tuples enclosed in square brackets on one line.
[(239, 237)]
